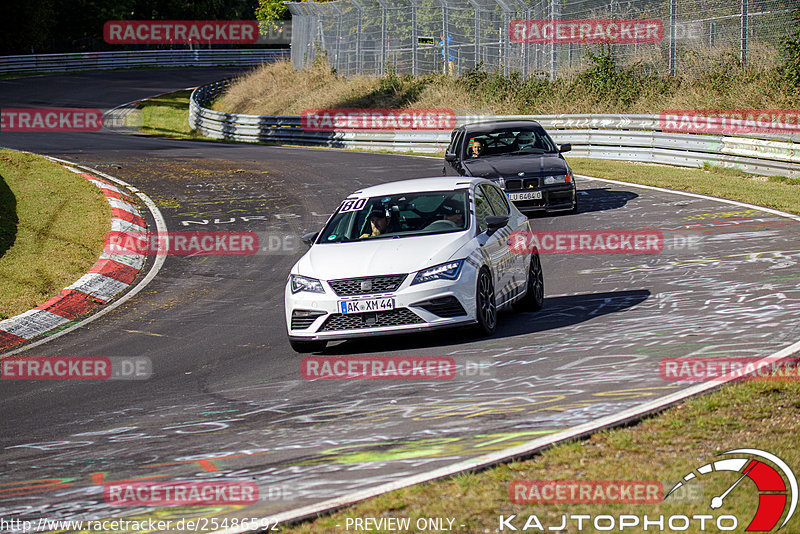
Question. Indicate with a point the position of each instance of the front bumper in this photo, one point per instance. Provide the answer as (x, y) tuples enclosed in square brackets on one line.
[(554, 198), (426, 306)]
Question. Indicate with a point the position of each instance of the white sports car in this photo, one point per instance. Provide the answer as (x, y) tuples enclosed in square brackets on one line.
[(409, 256)]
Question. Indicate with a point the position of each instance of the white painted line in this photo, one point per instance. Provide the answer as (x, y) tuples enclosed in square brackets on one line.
[(695, 195), (31, 323), (161, 226)]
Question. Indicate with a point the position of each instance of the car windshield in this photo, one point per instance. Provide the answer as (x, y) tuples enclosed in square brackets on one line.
[(394, 216), (510, 142)]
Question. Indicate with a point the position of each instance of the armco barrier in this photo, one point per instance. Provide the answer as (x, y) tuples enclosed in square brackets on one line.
[(130, 59), (618, 137)]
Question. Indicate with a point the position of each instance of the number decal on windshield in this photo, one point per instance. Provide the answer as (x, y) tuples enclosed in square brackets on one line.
[(352, 204)]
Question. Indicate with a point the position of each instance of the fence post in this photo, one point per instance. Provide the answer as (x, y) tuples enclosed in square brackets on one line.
[(384, 36), (445, 38), (673, 30), (359, 62), (555, 14), (338, 35), (414, 37), (744, 31)]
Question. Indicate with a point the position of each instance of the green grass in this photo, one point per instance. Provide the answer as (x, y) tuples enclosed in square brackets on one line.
[(52, 227), (166, 115)]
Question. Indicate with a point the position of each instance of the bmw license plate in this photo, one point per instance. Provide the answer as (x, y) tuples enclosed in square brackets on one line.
[(528, 195), (366, 305)]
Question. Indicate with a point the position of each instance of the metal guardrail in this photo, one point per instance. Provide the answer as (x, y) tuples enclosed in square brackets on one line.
[(617, 137), (128, 59)]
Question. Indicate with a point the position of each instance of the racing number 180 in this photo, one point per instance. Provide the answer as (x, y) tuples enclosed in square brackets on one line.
[(352, 204)]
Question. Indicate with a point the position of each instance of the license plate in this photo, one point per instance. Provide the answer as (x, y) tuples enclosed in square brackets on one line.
[(366, 305), (528, 195)]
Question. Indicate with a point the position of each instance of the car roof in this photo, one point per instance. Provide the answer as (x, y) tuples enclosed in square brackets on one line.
[(416, 185), (485, 127)]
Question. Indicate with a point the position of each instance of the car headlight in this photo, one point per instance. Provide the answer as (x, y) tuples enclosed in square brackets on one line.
[(304, 283), (444, 271), (556, 179)]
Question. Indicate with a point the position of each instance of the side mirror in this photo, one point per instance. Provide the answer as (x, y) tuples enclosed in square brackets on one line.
[(309, 238), (495, 222), (449, 156), (566, 147)]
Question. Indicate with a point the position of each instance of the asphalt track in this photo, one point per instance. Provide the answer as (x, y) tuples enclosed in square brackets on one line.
[(227, 400)]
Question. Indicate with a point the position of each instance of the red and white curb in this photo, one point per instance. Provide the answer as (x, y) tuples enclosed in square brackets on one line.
[(110, 275)]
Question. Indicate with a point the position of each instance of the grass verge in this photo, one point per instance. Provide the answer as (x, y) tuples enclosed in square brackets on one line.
[(166, 115), (52, 227)]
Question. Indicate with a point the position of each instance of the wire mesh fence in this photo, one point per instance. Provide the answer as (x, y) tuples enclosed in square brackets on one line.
[(547, 38)]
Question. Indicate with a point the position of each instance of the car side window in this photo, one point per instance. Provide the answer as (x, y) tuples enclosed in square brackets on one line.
[(497, 200), (455, 143), (482, 209)]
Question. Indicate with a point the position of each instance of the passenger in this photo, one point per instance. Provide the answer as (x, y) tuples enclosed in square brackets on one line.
[(478, 148), (379, 220)]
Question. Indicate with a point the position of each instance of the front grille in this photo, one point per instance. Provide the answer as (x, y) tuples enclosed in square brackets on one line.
[(302, 319), (522, 185), (443, 307), (355, 321), (379, 284)]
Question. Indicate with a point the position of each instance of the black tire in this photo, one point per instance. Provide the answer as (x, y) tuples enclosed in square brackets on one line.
[(304, 347), (485, 306), (534, 294)]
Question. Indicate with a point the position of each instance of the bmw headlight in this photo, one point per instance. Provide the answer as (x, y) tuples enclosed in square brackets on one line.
[(556, 179), (443, 271), (304, 283)]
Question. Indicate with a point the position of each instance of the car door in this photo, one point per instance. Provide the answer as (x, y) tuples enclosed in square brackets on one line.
[(454, 168), (514, 265), (491, 246)]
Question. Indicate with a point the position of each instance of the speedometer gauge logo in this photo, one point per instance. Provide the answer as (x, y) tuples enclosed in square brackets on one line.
[(771, 483)]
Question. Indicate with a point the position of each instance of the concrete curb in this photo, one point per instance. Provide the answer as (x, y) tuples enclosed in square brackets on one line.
[(110, 275)]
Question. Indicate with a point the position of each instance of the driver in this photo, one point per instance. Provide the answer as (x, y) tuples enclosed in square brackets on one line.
[(451, 211), (379, 220), (478, 148)]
